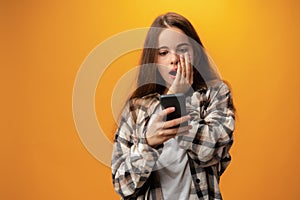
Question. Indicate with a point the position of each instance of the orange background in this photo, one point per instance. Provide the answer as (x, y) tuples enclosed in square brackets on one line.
[(43, 43)]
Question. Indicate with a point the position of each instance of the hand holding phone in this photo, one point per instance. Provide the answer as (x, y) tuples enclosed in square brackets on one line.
[(159, 130)]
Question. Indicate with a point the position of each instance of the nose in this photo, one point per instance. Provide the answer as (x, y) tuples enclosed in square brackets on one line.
[(174, 58)]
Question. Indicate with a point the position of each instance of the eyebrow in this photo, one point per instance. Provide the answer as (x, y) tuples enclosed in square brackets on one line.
[(183, 44), (180, 45)]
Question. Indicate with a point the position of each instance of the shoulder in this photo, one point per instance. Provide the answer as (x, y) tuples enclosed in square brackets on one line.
[(215, 87), (221, 93), (142, 106), (214, 91), (144, 102), (218, 88), (218, 85)]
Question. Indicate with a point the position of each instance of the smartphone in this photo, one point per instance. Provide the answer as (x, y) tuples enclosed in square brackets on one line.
[(177, 101)]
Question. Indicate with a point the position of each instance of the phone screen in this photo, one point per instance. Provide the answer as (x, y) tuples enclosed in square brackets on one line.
[(177, 101)]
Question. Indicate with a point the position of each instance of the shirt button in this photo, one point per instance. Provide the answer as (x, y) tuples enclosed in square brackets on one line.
[(197, 180)]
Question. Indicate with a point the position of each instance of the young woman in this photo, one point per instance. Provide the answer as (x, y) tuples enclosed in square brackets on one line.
[(152, 159)]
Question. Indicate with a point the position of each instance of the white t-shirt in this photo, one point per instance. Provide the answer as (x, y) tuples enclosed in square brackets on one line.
[(173, 169)]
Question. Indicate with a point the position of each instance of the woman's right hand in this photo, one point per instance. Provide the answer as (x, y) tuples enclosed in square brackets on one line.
[(160, 131)]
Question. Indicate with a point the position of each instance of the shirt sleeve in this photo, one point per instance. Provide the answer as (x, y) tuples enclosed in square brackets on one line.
[(210, 139), (132, 159)]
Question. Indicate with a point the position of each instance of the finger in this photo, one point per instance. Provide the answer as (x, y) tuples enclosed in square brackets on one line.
[(187, 67), (183, 133), (184, 128), (192, 70), (169, 132), (175, 122), (192, 76), (165, 112), (182, 63), (174, 131), (168, 137), (179, 71)]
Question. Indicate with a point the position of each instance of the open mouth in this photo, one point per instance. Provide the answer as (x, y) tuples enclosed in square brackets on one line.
[(173, 72)]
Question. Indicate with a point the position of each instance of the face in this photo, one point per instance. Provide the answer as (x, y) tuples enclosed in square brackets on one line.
[(172, 43)]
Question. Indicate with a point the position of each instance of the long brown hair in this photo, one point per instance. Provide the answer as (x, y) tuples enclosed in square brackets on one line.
[(149, 79)]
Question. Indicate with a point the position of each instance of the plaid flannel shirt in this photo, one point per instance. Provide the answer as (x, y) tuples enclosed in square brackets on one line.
[(207, 145)]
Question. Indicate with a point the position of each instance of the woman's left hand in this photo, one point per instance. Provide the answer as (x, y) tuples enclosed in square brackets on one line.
[(184, 77)]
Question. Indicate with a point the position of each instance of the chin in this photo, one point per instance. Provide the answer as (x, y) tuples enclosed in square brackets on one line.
[(169, 83)]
